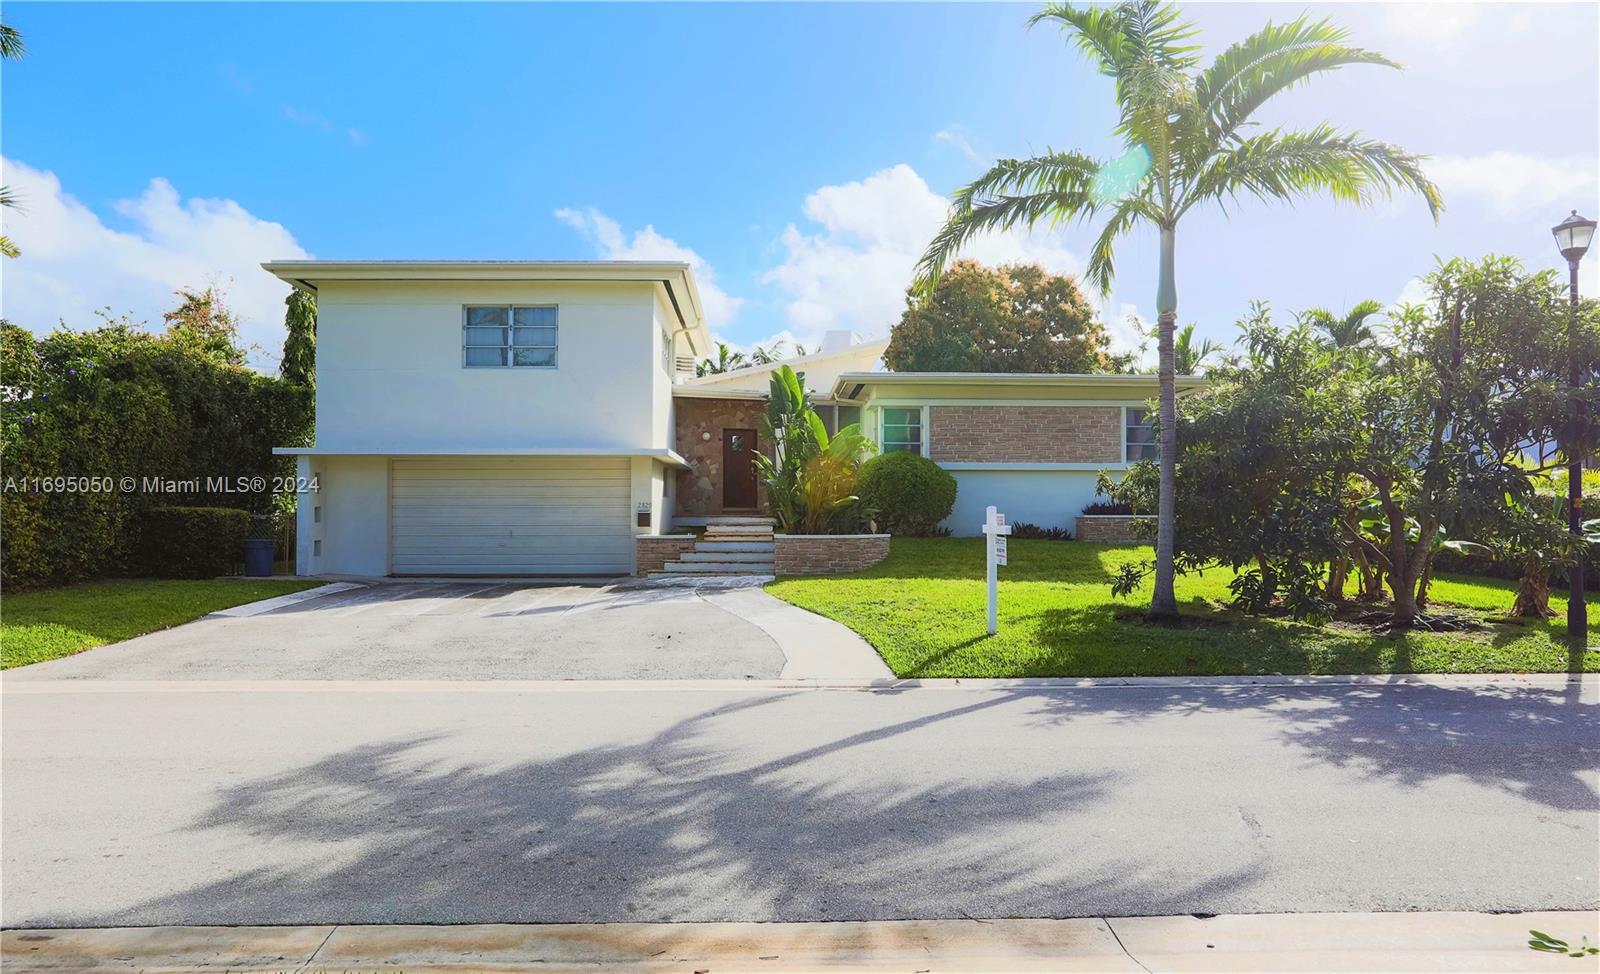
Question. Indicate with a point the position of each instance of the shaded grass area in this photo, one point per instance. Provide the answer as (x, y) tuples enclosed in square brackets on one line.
[(50, 623), (923, 609)]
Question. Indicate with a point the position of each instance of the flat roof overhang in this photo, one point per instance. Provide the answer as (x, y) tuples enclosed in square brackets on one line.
[(675, 278), (850, 384), (669, 457)]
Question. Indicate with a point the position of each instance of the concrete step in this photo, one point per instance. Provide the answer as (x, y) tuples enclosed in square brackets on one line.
[(733, 546), (702, 520), (720, 555), (717, 568), (738, 530)]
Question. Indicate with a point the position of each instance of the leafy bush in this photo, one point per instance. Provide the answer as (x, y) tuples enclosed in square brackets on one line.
[(1033, 532), (119, 402), (192, 542), (810, 475), (1107, 507), (908, 494)]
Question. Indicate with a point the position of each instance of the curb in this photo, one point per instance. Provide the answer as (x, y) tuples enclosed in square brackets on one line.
[(1260, 942), (1588, 684)]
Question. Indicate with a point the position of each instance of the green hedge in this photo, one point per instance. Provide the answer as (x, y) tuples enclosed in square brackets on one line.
[(117, 403), (192, 542), (907, 493)]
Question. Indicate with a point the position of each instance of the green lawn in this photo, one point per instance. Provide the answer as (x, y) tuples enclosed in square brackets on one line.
[(923, 608), (41, 625)]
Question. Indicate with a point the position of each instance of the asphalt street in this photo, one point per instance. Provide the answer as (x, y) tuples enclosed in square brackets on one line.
[(203, 802)]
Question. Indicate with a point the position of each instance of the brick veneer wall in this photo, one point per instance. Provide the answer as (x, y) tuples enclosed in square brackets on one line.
[(700, 486), (1109, 528), (1024, 434), (651, 552), (827, 554)]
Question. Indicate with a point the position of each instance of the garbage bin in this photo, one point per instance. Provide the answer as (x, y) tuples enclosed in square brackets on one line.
[(258, 557)]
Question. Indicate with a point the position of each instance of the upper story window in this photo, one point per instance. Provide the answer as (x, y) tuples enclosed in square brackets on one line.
[(1140, 434), (499, 335), (902, 430)]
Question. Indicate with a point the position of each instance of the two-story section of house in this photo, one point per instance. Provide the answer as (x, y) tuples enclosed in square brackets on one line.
[(491, 417), (535, 418)]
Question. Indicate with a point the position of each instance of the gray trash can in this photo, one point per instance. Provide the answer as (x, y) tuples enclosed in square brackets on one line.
[(258, 557)]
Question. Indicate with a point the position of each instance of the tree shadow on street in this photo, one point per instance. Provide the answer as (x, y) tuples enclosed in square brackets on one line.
[(679, 825)]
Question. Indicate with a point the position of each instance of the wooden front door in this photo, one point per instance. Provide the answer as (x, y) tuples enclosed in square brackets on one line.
[(739, 470)]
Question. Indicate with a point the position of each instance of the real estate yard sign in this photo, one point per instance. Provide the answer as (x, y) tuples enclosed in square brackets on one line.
[(995, 530)]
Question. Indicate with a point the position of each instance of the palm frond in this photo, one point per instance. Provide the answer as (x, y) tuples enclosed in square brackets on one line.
[(1279, 165), (11, 44), (1061, 172), (1096, 31), (1102, 271), (1055, 187), (7, 248), (1270, 61)]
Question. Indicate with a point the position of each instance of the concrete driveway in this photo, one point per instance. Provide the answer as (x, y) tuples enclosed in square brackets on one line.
[(478, 631)]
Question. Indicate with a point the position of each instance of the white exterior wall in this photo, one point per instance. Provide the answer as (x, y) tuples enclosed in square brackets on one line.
[(390, 372), (1048, 498), (353, 496)]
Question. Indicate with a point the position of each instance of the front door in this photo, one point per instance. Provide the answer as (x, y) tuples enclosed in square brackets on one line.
[(739, 469)]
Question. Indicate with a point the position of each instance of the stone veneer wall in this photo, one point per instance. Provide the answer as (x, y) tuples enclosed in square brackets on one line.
[(827, 554), (700, 487), (1025, 434), (651, 552), (1109, 528)]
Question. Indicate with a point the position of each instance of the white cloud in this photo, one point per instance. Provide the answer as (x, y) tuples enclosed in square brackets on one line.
[(609, 241), (73, 263), (852, 269), (956, 136), (316, 120), (1513, 184)]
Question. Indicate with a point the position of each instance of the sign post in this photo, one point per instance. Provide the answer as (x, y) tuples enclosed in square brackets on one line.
[(995, 530)]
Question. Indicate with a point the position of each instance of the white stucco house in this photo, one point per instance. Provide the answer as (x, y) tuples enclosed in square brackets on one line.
[(543, 418)]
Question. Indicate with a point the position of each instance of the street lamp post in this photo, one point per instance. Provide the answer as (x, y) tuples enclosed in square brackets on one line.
[(1572, 238)]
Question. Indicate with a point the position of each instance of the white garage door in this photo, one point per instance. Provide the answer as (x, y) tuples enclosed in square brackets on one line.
[(510, 516)]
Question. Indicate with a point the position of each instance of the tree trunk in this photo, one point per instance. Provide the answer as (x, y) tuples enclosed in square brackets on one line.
[(1533, 592), (1338, 572), (1164, 600)]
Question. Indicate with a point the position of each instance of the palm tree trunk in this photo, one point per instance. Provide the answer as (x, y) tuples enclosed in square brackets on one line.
[(1164, 602)]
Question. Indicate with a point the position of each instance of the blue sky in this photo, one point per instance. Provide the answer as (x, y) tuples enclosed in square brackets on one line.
[(798, 153)]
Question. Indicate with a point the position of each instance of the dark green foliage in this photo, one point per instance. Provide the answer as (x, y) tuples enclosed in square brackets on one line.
[(1108, 507), (118, 402), (299, 363), (191, 542), (1016, 318), (1025, 531), (908, 493)]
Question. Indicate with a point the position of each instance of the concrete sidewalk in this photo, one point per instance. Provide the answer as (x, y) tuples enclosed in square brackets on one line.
[(1285, 942)]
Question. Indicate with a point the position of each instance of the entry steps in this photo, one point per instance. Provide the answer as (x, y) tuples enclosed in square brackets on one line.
[(730, 546)]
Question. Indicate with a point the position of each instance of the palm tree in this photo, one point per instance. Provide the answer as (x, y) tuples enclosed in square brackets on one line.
[(1351, 331), (11, 48), (726, 361), (1190, 142), (1187, 357)]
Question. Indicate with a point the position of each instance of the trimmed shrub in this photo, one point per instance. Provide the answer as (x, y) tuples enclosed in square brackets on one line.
[(192, 542), (1033, 532), (123, 406), (1107, 507), (908, 494)]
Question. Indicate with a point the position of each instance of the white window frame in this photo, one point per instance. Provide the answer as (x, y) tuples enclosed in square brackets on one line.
[(1127, 460), (510, 346), (922, 411)]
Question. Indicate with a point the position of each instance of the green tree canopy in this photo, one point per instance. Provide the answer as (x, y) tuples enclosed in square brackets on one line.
[(299, 363), (1016, 318)]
